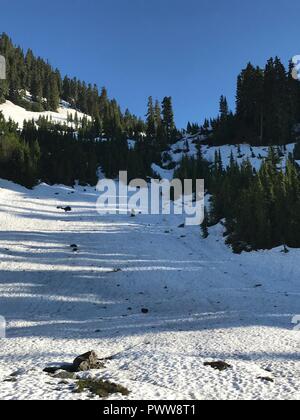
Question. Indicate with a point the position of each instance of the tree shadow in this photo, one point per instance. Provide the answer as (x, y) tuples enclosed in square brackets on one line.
[(97, 293)]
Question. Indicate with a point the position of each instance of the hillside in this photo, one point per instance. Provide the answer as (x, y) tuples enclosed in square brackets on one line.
[(205, 304), (189, 146), (19, 115)]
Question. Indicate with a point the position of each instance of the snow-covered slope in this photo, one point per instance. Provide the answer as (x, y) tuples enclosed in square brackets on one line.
[(205, 303), (188, 146), (19, 114)]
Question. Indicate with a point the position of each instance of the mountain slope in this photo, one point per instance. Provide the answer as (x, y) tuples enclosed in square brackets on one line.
[(189, 146), (19, 114), (204, 303)]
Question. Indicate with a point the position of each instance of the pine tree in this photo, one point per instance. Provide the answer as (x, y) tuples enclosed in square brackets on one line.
[(249, 105), (168, 120), (204, 226), (53, 93), (224, 110), (150, 121)]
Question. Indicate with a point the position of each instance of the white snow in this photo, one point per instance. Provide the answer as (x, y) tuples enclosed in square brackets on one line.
[(188, 146), (19, 114), (241, 152), (203, 300)]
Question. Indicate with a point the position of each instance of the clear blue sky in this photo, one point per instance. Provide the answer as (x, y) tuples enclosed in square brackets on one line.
[(189, 49)]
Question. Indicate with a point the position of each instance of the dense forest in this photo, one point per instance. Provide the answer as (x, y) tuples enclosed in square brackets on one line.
[(259, 209), (267, 108), (265, 211), (27, 74)]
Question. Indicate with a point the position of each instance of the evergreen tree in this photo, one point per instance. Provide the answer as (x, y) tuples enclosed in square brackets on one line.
[(150, 121), (224, 110), (168, 120), (204, 226), (249, 105), (53, 93)]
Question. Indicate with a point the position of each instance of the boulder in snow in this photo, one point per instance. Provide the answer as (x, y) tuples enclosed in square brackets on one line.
[(145, 311), (66, 209), (221, 366), (87, 361), (83, 363)]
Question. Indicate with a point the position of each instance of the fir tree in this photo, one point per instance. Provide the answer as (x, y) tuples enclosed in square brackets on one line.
[(168, 119)]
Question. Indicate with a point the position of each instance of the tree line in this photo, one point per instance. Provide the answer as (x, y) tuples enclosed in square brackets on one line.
[(102, 140), (267, 108), (264, 213), (259, 209)]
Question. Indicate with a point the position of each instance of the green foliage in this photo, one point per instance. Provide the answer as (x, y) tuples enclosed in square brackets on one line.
[(267, 107), (102, 389), (18, 158), (205, 225), (261, 209), (69, 154), (266, 214)]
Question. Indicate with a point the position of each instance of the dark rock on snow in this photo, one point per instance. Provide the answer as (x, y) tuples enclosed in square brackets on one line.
[(66, 209), (85, 362), (221, 366), (266, 379), (145, 311)]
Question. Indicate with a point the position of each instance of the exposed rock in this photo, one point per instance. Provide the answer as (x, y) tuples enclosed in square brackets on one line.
[(66, 209), (74, 248), (221, 366), (145, 311), (10, 380), (87, 361), (266, 379)]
